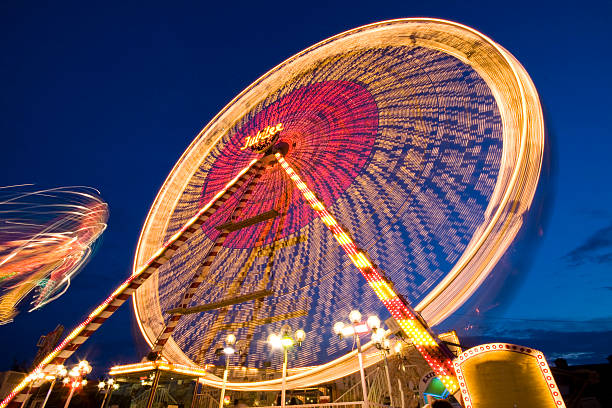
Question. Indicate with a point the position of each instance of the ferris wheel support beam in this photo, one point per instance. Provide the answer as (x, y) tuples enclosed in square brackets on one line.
[(123, 292), (257, 295), (437, 355), (204, 268)]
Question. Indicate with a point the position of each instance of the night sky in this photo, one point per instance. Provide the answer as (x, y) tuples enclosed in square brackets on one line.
[(109, 95)]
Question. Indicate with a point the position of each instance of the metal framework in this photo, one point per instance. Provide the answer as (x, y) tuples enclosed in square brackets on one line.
[(435, 352), (204, 269)]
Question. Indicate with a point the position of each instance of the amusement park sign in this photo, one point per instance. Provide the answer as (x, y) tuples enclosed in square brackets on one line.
[(263, 139)]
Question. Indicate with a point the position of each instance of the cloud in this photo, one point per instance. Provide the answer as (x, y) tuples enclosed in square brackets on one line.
[(579, 342), (575, 356), (597, 249), (576, 347), (604, 259)]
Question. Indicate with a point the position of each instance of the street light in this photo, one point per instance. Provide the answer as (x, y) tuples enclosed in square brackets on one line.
[(379, 337), (373, 323), (356, 328), (398, 347), (109, 386), (355, 316), (228, 350), (75, 378), (60, 372), (285, 341)]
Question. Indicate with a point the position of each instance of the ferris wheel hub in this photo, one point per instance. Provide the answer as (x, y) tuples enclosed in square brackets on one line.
[(280, 147), (268, 158)]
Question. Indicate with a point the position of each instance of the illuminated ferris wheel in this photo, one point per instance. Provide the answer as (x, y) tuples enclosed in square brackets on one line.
[(386, 168), (404, 150)]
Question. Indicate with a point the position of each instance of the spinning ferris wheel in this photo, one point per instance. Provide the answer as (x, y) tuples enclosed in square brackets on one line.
[(386, 168)]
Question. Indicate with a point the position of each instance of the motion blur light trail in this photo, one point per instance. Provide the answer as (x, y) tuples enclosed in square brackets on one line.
[(424, 139), (46, 237), (436, 355)]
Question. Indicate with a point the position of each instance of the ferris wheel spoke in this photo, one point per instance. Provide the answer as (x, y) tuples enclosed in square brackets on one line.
[(437, 355), (204, 269), (123, 292)]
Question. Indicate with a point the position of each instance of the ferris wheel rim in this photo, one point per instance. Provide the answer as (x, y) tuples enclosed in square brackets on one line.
[(510, 61)]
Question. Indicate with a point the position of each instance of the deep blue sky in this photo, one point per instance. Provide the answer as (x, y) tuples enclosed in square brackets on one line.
[(110, 94)]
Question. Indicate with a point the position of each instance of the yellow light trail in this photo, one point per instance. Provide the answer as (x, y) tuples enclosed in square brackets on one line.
[(436, 355)]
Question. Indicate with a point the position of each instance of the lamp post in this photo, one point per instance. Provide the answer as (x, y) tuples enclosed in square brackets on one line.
[(32, 378), (60, 372), (285, 341), (356, 328), (75, 378), (108, 386), (228, 350), (382, 343)]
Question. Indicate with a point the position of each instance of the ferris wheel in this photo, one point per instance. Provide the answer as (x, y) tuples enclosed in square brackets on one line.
[(386, 168)]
